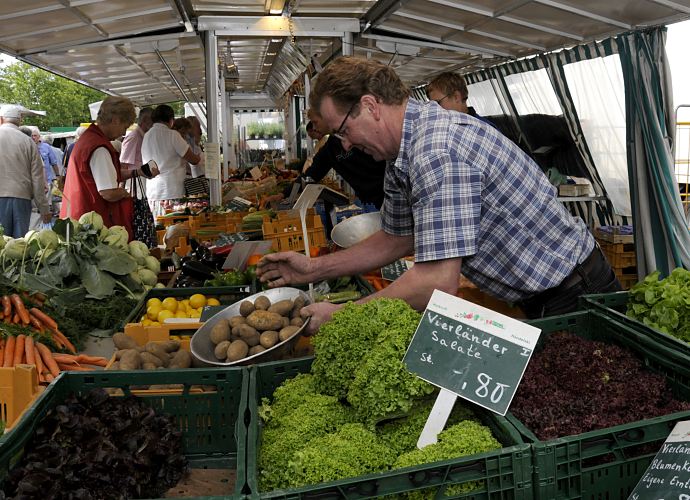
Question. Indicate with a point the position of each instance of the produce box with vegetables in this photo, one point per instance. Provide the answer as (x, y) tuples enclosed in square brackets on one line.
[(80, 441), (349, 420), (596, 402)]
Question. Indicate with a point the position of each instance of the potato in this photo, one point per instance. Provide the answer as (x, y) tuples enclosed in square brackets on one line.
[(286, 321), (269, 338), (220, 332), (256, 350), (115, 366), (147, 357), (287, 332), (264, 320), (282, 307), (249, 335), (246, 308), (298, 321), (237, 350), (149, 366), (156, 349), (262, 303), (236, 321), (123, 341), (297, 304), (171, 345), (221, 350), (130, 360), (236, 332), (181, 359)]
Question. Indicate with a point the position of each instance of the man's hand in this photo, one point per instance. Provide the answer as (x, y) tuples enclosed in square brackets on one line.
[(285, 268), (154, 171), (47, 217), (319, 313)]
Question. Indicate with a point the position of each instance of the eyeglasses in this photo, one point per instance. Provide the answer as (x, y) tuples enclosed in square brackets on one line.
[(339, 133), (439, 101)]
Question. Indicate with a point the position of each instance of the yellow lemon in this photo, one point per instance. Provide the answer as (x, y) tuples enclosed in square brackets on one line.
[(153, 302), (153, 311), (180, 314), (146, 322), (165, 314), (170, 304), (197, 300), (155, 323), (143, 318), (183, 303), (195, 314), (212, 302)]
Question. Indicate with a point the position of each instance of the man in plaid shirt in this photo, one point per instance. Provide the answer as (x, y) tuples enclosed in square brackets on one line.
[(458, 194)]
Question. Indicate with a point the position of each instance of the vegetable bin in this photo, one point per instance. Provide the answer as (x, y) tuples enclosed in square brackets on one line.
[(505, 473), (210, 413)]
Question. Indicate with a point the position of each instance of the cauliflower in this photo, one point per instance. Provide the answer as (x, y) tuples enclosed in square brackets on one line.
[(147, 276), (118, 237), (14, 249), (92, 218), (153, 264), (47, 238), (139, 251)]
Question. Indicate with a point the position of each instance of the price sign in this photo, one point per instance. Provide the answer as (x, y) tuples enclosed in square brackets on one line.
[(394, 270), (230, 238), (668, 476), (471, 351), (238, 204), (212, 160)]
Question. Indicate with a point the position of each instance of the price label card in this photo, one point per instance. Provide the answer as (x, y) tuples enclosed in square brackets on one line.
[(212, 160), (230, 238), (238, 204), (394, 270), (472, 351), (668, 476)]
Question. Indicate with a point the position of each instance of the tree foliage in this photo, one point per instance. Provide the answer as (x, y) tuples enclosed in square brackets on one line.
[(65, 102)]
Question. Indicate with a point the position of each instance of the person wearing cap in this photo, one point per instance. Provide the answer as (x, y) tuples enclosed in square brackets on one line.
[(94, 172), (50, 160), (23, 175)]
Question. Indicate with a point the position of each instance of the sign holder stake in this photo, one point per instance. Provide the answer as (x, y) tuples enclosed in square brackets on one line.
[(437, 418)]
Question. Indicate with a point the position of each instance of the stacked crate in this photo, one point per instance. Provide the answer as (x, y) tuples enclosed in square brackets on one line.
[(619, 250), (285, 232)]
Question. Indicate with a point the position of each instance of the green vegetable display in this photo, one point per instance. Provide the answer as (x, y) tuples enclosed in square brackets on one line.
[(308, 437), (663, 304)]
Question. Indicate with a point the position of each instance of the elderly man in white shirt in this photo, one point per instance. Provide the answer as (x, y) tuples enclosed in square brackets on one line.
[(172, 153), (21, 169)]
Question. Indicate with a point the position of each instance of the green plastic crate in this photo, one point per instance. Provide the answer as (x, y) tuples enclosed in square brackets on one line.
[(227, 295), (615, 306), (507, 472), (608, 463), (212, 422)]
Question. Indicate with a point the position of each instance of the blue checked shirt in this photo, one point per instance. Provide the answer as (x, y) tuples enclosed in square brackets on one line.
[(465, 190)]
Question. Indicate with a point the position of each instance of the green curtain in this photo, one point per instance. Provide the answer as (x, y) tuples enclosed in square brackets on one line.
[(662, 239)]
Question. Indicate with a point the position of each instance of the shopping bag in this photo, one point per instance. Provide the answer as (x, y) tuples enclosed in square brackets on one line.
[(143, 225)]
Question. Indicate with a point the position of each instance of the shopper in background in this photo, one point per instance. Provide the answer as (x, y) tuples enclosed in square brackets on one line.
[(130, 156), (50, 162), (68, 152), (167, 148), (194, 141), (94, 173), (449, 90), (23, 175), (460, 196)]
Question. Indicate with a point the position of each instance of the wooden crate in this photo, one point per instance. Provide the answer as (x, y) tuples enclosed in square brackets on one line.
[(613, 237), (620, 255), (285, 232)]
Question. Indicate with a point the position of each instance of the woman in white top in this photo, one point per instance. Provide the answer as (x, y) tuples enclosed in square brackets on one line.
[(168, 149)]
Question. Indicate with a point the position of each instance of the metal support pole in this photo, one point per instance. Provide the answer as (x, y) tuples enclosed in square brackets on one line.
[(227, 132), (211, 57), (348, 47)]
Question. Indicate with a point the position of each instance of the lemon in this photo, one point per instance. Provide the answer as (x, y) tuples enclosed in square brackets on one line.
[(165, 314), (183, 303), (143, 318), (195, 314), (170, 304), (153, 302), (146, 322), (197, 300), (181, 314), (212, 302), (155, 323), (153, 311)]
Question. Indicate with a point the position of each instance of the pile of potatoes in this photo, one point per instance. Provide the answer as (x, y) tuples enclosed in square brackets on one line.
[(152, 356), (260, 326)]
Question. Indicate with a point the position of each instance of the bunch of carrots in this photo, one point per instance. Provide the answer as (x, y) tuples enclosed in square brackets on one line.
[(27, 348), (376, 280)]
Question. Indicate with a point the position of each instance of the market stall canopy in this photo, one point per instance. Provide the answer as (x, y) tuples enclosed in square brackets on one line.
[(152, 52)]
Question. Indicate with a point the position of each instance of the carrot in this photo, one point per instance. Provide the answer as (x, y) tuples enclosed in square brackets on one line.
[(92, 360), (48, 359), (44, 318), (74, 368), (39, 362), (21, 310), (29, 350), (65, 360), (65, 341), (2, 350), (49, 377), (31, 299), (19, 350), (9, 352), (15, 318), (6, 306), (35, 322)]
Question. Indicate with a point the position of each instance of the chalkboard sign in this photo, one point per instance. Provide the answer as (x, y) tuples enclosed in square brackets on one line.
[(238, 204), (668, 476), (394, 270), (472, 351), (230, 238)]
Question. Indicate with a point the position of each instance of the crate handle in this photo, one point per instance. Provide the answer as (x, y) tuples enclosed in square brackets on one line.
[(478, 466), (426, 475), (368, 488), (634, 435), (324, 495)]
